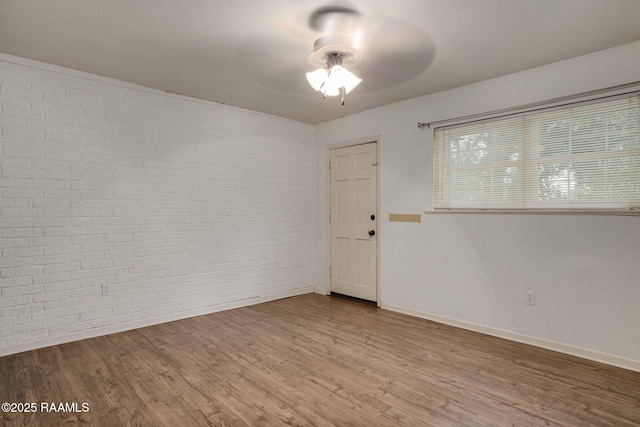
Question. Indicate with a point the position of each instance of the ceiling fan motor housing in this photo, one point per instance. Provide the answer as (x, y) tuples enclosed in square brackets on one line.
[(333, 46)]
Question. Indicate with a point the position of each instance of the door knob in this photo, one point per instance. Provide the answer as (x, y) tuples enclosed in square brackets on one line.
[(373, 217), (372, 232)]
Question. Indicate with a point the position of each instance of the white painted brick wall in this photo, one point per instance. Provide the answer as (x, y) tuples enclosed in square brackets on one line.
[(174, 203)]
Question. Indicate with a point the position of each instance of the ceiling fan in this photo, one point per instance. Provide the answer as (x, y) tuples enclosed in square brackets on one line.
[(334, 78), (339, 49), (386, 50)]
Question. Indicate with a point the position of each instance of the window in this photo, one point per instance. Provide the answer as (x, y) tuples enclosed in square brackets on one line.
[(578, 156)]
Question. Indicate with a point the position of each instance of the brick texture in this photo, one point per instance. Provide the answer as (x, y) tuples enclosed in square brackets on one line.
[(174, 203)]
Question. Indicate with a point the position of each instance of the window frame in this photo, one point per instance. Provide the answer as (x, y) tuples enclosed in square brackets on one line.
[(529, 160)]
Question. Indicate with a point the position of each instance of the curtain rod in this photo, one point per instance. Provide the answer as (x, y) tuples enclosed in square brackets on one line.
[(536, 106)]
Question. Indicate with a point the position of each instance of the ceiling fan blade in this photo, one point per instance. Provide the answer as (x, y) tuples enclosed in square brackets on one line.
[(393, 52)]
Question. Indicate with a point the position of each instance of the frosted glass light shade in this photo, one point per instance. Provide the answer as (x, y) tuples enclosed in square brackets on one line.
[(317, 78), (329, 83), (330, 88), (345, 78)]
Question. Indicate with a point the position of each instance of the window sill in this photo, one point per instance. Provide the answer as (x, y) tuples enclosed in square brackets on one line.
[(625, 212)]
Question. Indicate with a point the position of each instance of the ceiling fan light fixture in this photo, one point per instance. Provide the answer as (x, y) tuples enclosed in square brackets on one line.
[(345, 78), (330, 89), (333, 79), (317, 78)]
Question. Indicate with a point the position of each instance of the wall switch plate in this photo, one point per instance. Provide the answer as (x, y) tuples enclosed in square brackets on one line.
[(530, 298)]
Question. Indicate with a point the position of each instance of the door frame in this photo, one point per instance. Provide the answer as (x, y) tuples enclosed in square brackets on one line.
[(350, 143)]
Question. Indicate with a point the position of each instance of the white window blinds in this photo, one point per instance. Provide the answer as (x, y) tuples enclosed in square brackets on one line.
[(583, 156)]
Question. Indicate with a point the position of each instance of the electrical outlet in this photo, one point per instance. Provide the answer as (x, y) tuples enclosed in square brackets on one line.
[(530, 298), (106, 290)]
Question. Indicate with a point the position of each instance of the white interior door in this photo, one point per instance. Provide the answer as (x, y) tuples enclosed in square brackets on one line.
[(353, 220)]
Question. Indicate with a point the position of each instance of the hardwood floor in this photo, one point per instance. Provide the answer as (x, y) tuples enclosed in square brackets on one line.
[(314, 360)]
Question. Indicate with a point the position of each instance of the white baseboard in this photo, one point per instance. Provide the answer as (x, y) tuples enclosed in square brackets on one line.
[(127, 326), (321, 291), (621, 362)]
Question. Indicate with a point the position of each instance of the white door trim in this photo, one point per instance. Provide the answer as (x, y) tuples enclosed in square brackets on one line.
[(360, 141)]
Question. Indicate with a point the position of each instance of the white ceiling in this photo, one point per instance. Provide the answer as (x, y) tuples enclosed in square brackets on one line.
[(253, 54)]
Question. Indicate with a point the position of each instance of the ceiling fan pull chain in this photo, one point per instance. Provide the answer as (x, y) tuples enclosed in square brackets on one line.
[(342, 91)]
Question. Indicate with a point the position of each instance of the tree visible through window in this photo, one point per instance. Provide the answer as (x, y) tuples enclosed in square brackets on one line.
[(579, 157)]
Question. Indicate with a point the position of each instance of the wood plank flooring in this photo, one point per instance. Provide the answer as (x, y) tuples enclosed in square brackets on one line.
[(317, 361)]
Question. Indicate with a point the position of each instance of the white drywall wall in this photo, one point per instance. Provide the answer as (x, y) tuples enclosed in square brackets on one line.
[(476, 268)]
